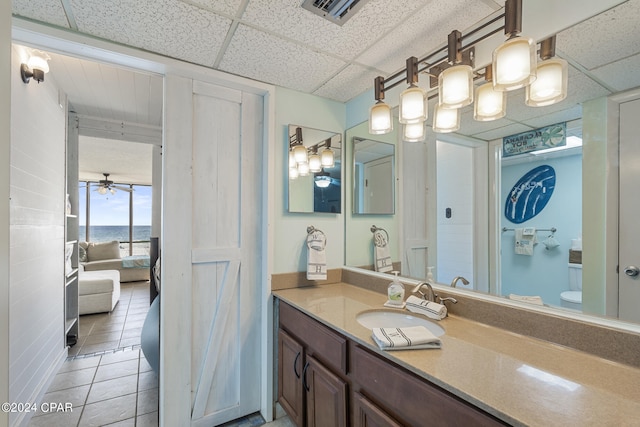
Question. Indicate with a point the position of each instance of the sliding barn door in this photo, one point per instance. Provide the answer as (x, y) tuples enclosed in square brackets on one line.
[(211, 244)]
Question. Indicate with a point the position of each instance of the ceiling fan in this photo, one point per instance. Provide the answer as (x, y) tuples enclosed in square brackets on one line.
[(106, 185)]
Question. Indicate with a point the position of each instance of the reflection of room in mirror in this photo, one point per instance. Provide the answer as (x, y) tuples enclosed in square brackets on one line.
[(373, 177)]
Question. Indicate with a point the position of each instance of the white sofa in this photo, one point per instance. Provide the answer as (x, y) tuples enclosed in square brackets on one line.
[(99, 291), (106, 256)]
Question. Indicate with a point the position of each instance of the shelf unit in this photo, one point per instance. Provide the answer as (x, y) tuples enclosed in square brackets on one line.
[(71, 279)]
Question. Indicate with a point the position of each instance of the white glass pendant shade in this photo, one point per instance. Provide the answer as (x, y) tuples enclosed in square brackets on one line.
[(303, 169), (514, 64), (102, 190), (380, 121), (490, 104), (293, 172), (326, 158), (550, 85), (413, 132), (413, 105), (445, 119), (39, 63), (300, 154), (292, 159), (315, 164), (322, 181), (456, 86)]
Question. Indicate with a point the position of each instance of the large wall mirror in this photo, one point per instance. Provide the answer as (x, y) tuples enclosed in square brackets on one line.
[(455, 188), (373, 177), (315, 172)]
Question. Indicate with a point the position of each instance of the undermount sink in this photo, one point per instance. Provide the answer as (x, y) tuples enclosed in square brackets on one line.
[(380, 318)]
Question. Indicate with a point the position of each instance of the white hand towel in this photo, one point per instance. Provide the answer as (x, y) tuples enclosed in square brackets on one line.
[(316, 256), (525, 239), (411, 337), (430, 309), (382, 252), (531, 299)]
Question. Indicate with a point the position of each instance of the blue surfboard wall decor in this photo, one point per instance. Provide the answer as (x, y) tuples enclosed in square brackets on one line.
[(530, 194)]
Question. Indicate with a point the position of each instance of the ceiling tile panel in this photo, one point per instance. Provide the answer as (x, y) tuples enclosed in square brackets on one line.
[(348, 83), (501, 132), (288, 19), (169, 27), (228, 7), (621, 75), (556, 117), (423, 32), (605, 38), (50, 11), (268, 58)]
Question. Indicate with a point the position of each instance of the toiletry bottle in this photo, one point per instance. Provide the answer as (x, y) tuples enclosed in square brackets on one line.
[(395, 291), (430, 279)]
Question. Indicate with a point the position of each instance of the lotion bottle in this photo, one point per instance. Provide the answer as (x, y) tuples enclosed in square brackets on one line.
[(395, 291), (430, 275)]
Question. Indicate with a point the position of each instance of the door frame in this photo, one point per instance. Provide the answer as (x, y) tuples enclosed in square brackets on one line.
[(174, 405)]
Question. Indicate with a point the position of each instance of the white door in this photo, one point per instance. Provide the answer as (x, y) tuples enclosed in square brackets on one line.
[(378, 183), (629, 250), (211, 253)]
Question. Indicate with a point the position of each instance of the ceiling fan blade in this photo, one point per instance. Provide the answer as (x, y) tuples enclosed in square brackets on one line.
[(127, 189)]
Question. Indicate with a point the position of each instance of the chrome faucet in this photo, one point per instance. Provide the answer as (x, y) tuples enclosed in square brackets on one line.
[(444, 300), (429, 296), (455, 281)]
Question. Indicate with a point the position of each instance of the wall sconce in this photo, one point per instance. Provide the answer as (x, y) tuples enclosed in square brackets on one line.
[(297, 147), (490, 104), (327, 159), (455, 82), (445, 120), (413, 100), (553, 75), (315, 163), (380, 120), (514, 62), (36, 67)]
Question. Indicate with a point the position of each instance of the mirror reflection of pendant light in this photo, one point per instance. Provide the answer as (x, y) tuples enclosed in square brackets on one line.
[(315, 164), (455, 82), (299, 150), (414, 132), (413, 106), (490, 104), (293, 172), (303, 169), (292, 159), (322, 180), (553, 75), (514, 62), (327, 158), (380, 118), (445, 119)]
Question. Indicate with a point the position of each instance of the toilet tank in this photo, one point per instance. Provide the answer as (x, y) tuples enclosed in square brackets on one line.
[(575, 277)]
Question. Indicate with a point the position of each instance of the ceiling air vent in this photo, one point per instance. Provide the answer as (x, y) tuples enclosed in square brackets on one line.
[(336, 11)]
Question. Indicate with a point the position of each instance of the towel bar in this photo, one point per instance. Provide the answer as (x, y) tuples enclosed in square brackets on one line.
[(552, 229)]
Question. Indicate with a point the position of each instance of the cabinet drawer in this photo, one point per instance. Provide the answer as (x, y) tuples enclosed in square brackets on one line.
[(319, 341), (409, 399)]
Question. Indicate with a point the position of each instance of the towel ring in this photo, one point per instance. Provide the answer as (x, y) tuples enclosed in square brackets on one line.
[(375, 229), (311, 230)]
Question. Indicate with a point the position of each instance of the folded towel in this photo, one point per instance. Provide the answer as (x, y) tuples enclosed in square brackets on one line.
[(430, 309), (382, 251), (316, 257), (525, 239), (531, 299), (411, 337)]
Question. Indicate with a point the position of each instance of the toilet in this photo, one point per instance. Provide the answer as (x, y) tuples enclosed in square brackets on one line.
[(573, 297)]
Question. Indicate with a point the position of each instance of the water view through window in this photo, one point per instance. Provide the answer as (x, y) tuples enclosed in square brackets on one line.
[(109, 217)]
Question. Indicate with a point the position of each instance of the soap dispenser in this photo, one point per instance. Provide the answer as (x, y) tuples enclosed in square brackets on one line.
[(430, 279), (395, 293)]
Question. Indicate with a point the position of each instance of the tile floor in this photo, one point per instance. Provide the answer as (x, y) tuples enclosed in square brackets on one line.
[(118, 329)]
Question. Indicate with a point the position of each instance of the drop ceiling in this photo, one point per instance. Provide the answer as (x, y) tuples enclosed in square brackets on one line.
[(279, 42)]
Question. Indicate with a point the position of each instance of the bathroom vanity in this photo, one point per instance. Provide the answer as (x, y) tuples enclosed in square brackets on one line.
[(330, 372)]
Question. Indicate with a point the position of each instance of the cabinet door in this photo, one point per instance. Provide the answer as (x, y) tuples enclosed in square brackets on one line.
[(369, 415), (326, 396), (290, 392)]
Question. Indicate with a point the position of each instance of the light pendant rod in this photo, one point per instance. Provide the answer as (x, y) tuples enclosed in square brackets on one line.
[(454, 47), (548, 48), (512, 18)]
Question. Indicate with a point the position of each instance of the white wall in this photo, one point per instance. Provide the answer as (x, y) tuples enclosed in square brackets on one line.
[(5, 144), (37, 190), (290, 229)]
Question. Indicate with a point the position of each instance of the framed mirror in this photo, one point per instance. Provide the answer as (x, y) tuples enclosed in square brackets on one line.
[(315, 170), (373, 177)]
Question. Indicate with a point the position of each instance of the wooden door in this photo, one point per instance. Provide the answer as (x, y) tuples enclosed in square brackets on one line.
[(290, 391), (629, 250), (212, 237), (368, 414), (326, 396)]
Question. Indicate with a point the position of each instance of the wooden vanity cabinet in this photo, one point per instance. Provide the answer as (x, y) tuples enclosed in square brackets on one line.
[(312, 367)]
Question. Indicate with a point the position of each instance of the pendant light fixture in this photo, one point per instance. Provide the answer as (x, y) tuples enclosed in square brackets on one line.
[(413, 101), (303, 169), (327, 158), (553, 75), (293, 172), (380, 118), (445, 120), (298, 148), (490, 104), (455, 82), (414, 132), (315, 164), (322, 179), (514, 62)]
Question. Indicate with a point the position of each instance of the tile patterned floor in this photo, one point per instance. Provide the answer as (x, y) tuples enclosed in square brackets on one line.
[(118, 329)]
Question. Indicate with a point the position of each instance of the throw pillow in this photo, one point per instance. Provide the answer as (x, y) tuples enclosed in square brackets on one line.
[(82, 254), (102, 251)]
